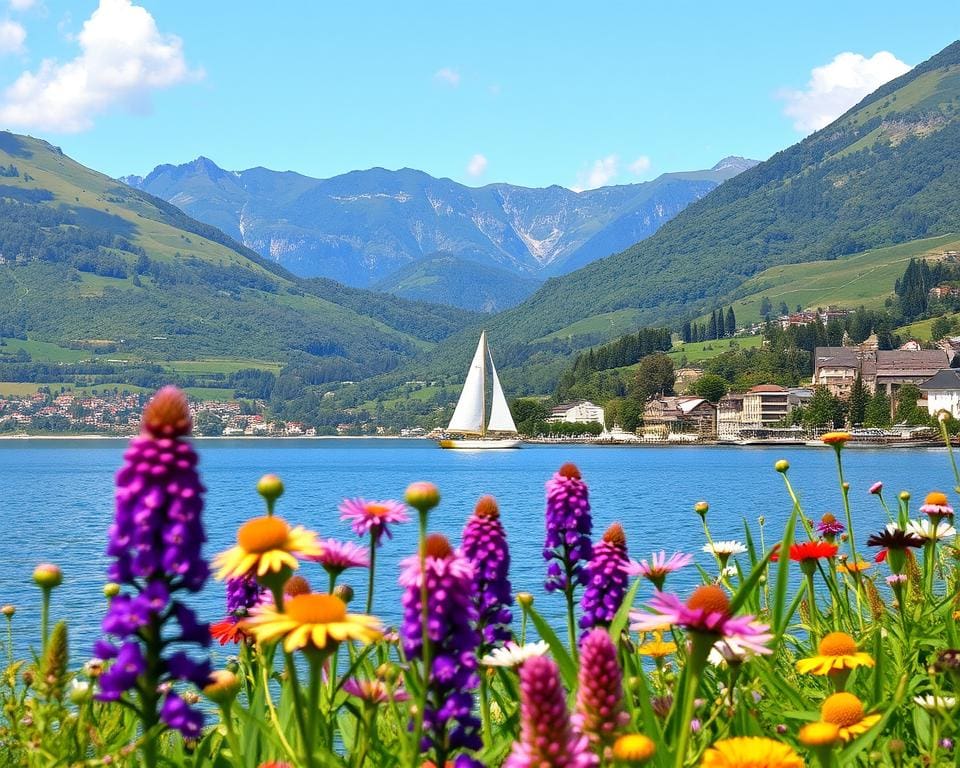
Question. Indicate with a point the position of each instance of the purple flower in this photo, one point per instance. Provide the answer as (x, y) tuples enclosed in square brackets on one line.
[(155, 542), (600, 714), (449, 722), (569, 525), (829, 527), (373, 518), (242, 595), (485, 546), (606, 579), (547, 737), (659, 567)]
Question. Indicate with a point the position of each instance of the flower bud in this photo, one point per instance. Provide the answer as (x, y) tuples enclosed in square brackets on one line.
[(344, 592), (782, 466), (389, 673), (223, 687), (270, 487), (422, 496), (701, 508), (524, 599), (47, 576), (190, 697), (232, 665), (904, 495), (111, 589), (8, 611)]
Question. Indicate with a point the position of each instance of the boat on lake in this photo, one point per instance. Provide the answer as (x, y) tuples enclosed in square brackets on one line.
[(470, 426)]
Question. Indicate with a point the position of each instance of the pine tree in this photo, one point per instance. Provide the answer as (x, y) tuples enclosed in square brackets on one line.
[(877, 412), (858, 401), (712, 328), (685, 332), (731, 321)]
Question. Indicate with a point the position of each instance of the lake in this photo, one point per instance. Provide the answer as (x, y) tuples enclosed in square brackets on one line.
[(57, 503)]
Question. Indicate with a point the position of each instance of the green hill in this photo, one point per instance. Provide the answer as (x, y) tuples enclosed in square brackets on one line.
[(884, 173), (102, 270)]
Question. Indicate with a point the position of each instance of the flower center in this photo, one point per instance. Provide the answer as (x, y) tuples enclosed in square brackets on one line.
[(709, 598), (487, 508), (263, 534), (316, 609), (296, 585), (936, 498), (828, 518), (376, 510), (167, 414), (842, 709), (634, 747), (837, 644), (438, 546), (569, 470)]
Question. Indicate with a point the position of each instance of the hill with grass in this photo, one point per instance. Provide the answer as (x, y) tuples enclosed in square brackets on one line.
[(364, 227), (93, 270), (884, 173)]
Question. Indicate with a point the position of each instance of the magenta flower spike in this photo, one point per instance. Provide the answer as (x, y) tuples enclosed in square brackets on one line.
[(606, 580), (600, 713), (485, 546)]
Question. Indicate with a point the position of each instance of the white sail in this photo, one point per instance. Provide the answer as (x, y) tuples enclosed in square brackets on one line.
[(500, 418), (468, 415)]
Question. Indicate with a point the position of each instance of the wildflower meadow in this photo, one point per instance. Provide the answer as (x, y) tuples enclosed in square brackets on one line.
[(829, 646)]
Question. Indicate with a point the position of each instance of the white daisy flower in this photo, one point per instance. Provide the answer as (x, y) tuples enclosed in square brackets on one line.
[(513, 655), (724, 548), (935, 703), (926, 530)]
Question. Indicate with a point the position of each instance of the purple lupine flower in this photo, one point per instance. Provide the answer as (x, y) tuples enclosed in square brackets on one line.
[(485, 546), (600, 713), (242, 595), (569, 525), (449, 722), (546, 734), (606, 579), (155, 542)]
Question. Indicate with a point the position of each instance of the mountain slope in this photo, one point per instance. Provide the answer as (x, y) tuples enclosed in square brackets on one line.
[(448, 279), (361, 227), (885, 172), (88, 263)]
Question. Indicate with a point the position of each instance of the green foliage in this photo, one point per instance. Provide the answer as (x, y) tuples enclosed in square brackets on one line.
[(877, 412), (528, 414), (859, 397), (710, 386), (907, 410), (653, 376), (823, 410)]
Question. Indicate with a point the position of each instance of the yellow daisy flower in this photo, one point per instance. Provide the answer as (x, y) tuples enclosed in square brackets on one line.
[(837, 652), (751, 752), (819, 734), (311, 620), (845, 711), (265, 545), (633, 749), (850, 567), (658, 647)]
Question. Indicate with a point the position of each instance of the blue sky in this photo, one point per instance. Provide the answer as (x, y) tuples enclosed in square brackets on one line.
[(576, 94)]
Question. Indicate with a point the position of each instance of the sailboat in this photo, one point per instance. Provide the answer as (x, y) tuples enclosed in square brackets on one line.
[(470, 416)]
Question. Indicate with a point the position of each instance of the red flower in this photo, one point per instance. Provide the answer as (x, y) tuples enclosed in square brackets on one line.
[(880, 556), (808, 550), (227, 631)]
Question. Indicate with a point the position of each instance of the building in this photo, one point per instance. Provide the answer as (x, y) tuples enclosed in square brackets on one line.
[(897, 367), (943, 392), (944, 291), (765, 405), (836, 368), (663, 416), (581, 412), (729, 416)]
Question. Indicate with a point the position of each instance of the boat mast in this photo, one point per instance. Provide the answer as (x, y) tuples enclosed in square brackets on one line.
[(483, 385)]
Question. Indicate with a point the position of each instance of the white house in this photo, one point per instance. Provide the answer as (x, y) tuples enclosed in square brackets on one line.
[(943, 392), (582, 412)]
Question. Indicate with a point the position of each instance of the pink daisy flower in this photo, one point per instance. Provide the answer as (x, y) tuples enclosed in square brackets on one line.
[(707, 611), (373, 691), (937, 506), (658, 567), (373, 518), (337, 556)]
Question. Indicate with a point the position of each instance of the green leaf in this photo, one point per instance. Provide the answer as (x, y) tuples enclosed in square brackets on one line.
[(568, 670), (619, 622)]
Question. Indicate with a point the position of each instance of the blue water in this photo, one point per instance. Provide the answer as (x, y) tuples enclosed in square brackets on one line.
[(57, 503)]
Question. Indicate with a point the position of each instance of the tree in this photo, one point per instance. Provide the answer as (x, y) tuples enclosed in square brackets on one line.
[(823, 410), (907, 410), (941, 327), (655, 375), (209, 424), (685, 332), (710, 386), (784, 309), (712, 328), (877, 413), (731, 322), (858, 400), (766, 308), (527, 413)]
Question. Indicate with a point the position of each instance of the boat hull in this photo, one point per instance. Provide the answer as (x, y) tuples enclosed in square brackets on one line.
[(478, 444)]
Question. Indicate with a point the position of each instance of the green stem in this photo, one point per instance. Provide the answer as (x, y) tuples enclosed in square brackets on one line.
[(701, 645), (571, 622), (953, 459), (313, 694), (44, 618), (10, 639), (485, 708), (370, 573), (523, 627), (306, 738), (424, 642), (814, 611), (227, 718)]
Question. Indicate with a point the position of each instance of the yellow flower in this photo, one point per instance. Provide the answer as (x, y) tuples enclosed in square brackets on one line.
[(837, 651), (845, 711), (819, 734), (858, 567), (751, 752), (657, 648), (265, 545), (836, 438), (317, 621), (634, 749)]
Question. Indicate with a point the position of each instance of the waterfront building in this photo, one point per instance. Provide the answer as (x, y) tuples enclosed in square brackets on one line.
[(580, 412), (730, 416), (663, 416), (765, 405), (836, 368), (943, 392)]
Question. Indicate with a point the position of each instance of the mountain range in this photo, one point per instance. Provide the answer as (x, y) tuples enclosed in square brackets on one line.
[(366, 228)]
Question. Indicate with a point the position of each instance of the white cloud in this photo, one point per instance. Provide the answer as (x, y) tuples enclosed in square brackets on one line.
[(477, 165), (21, 5), (123, 58), (12, 36), (835, 87), (640, 166), (601, 173), (447, 76)]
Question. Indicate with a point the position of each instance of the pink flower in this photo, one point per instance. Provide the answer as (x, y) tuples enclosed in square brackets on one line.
[(876, 488), (600, 714), (659, 566), (373, 691), (707, 611), (337, 556), (373, 518)]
